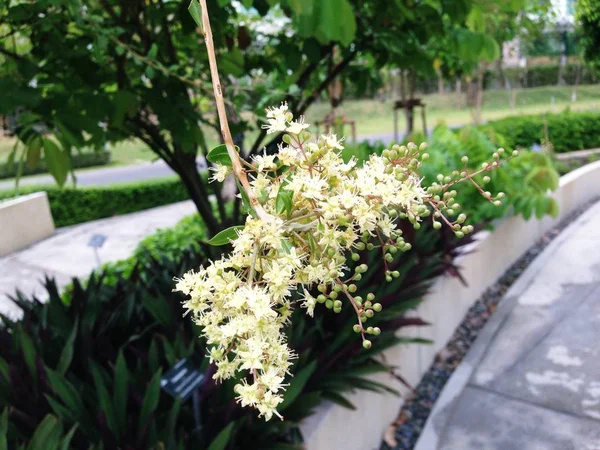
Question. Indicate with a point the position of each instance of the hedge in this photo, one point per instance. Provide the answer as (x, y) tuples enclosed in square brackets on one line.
[(567, 131), (78, 160), (71, 206)]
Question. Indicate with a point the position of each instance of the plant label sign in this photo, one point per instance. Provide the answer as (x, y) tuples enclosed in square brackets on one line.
[(97, 241), (182, 379)]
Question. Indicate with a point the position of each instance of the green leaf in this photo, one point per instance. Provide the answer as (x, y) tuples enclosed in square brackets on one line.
[(151, 398), (284, 201), (338, 398), (104, 400), (223, 237), (34, 151), (66, 442), (219, 155), (121, 384), (4, 430), (47, 435), (552, 208), (246, 206), (222, 439), (70, 397), (196, 12), (28, 350), (57, 161), (66, 355), (297, 384)]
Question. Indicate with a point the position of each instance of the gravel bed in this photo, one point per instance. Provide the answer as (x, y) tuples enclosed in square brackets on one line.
[(405, 431)]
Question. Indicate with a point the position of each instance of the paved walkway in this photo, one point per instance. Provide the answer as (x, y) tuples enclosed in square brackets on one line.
[(66, 254), (532, 378)]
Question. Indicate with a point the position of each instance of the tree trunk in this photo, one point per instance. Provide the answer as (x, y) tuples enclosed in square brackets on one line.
[(458, 90), (479, 94), (440, 81), (577, 80)]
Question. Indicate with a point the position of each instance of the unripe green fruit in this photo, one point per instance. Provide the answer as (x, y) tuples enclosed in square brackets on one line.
[(368, 304), (369, 330), (377, 307), (337, 304), (337, 288), (367, 344), (370, 246), (352, 288), (437, 225), (407, 247), (370, 296), (369, 313), (459, 234), (358, 277), (388, 278), (376, 331), (329, 304), (333, 295), (465, 160), (321, 298), (356, 328), (355, 256), (337, 310), (358, 299), (321, 288), (395, 274)]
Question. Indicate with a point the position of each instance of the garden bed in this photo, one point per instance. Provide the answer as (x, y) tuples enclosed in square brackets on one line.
[(482, 263)]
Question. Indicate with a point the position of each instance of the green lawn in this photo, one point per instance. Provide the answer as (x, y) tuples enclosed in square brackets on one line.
[(374, 117)]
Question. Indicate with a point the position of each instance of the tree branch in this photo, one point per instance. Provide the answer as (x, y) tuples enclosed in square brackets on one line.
[(238, 170)]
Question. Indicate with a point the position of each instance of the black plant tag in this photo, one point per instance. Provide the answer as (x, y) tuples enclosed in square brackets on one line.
[(182, 379)]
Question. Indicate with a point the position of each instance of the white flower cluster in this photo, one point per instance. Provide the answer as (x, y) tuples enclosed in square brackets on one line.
[(321, 210)]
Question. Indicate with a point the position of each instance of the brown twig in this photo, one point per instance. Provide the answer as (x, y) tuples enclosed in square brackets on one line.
[(238, 171)]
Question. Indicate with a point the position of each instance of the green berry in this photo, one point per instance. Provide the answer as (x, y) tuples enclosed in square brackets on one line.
[(370, 296), (356, 328), (329, 304), (367, 344), (337, 304), (377, 307)]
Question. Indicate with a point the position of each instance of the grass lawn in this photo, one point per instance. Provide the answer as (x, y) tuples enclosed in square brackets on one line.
[(374, 117)]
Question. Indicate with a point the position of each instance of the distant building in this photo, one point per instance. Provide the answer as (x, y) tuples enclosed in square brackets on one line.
[(556, 42)]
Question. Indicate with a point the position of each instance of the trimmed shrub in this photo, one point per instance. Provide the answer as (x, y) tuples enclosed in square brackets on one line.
[(567, 131), (72, 206), (78, 161)]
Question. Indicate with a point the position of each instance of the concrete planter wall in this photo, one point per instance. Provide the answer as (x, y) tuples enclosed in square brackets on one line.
[(335, 427), (24, 221)]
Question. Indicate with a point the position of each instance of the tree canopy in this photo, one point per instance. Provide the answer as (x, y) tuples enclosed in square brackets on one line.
[(91, 73)]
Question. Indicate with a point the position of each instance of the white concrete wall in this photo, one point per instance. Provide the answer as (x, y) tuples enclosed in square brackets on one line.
[(335, 427), (24, 221)]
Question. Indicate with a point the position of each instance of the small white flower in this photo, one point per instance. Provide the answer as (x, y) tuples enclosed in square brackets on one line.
[(220, 172)]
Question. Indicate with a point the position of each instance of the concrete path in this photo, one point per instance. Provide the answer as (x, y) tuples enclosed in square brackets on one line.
[(66, 254), (532, 378)]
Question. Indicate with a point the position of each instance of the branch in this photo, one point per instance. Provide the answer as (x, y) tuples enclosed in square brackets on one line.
[(220, 103)]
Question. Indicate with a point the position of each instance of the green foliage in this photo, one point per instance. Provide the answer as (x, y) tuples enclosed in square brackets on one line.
[(525, 180), (78, 160), (588, 16), (72, 206), (566, 131)]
